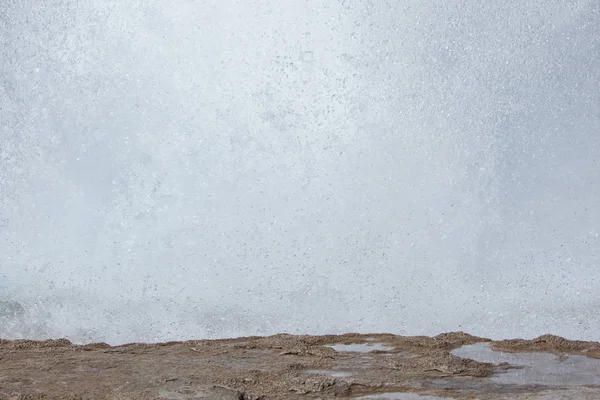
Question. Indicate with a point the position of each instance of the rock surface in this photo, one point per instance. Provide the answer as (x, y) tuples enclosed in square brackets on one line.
[(276, 367)]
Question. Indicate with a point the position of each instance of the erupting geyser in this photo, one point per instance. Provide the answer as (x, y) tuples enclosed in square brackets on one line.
[(223, 168)]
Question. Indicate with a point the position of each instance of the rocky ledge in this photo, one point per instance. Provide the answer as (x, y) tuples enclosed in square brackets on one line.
[(365, 366)]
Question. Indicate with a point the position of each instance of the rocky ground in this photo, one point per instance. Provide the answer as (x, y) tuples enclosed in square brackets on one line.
[(284, 367)]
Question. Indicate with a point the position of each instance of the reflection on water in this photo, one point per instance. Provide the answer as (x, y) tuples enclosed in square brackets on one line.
[(330, 372), (360, 347), (401, 396), (537, 368)]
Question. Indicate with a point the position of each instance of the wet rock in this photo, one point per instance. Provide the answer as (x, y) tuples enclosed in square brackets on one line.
[(272, 367)]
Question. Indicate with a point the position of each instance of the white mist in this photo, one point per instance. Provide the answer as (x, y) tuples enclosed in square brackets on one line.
[(208, 169)]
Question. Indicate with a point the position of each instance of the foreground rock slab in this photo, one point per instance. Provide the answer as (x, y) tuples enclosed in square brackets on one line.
[(374, 366)]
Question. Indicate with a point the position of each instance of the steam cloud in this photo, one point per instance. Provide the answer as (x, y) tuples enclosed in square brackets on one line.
[(220, 168)]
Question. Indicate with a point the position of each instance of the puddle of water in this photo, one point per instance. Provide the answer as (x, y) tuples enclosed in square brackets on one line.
[(182, 394), (538, 368), (330, 372), (260, 351), (400, 396), (360, 347)]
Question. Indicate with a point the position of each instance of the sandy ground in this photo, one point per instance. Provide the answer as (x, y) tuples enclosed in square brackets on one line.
[(277, 367)]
